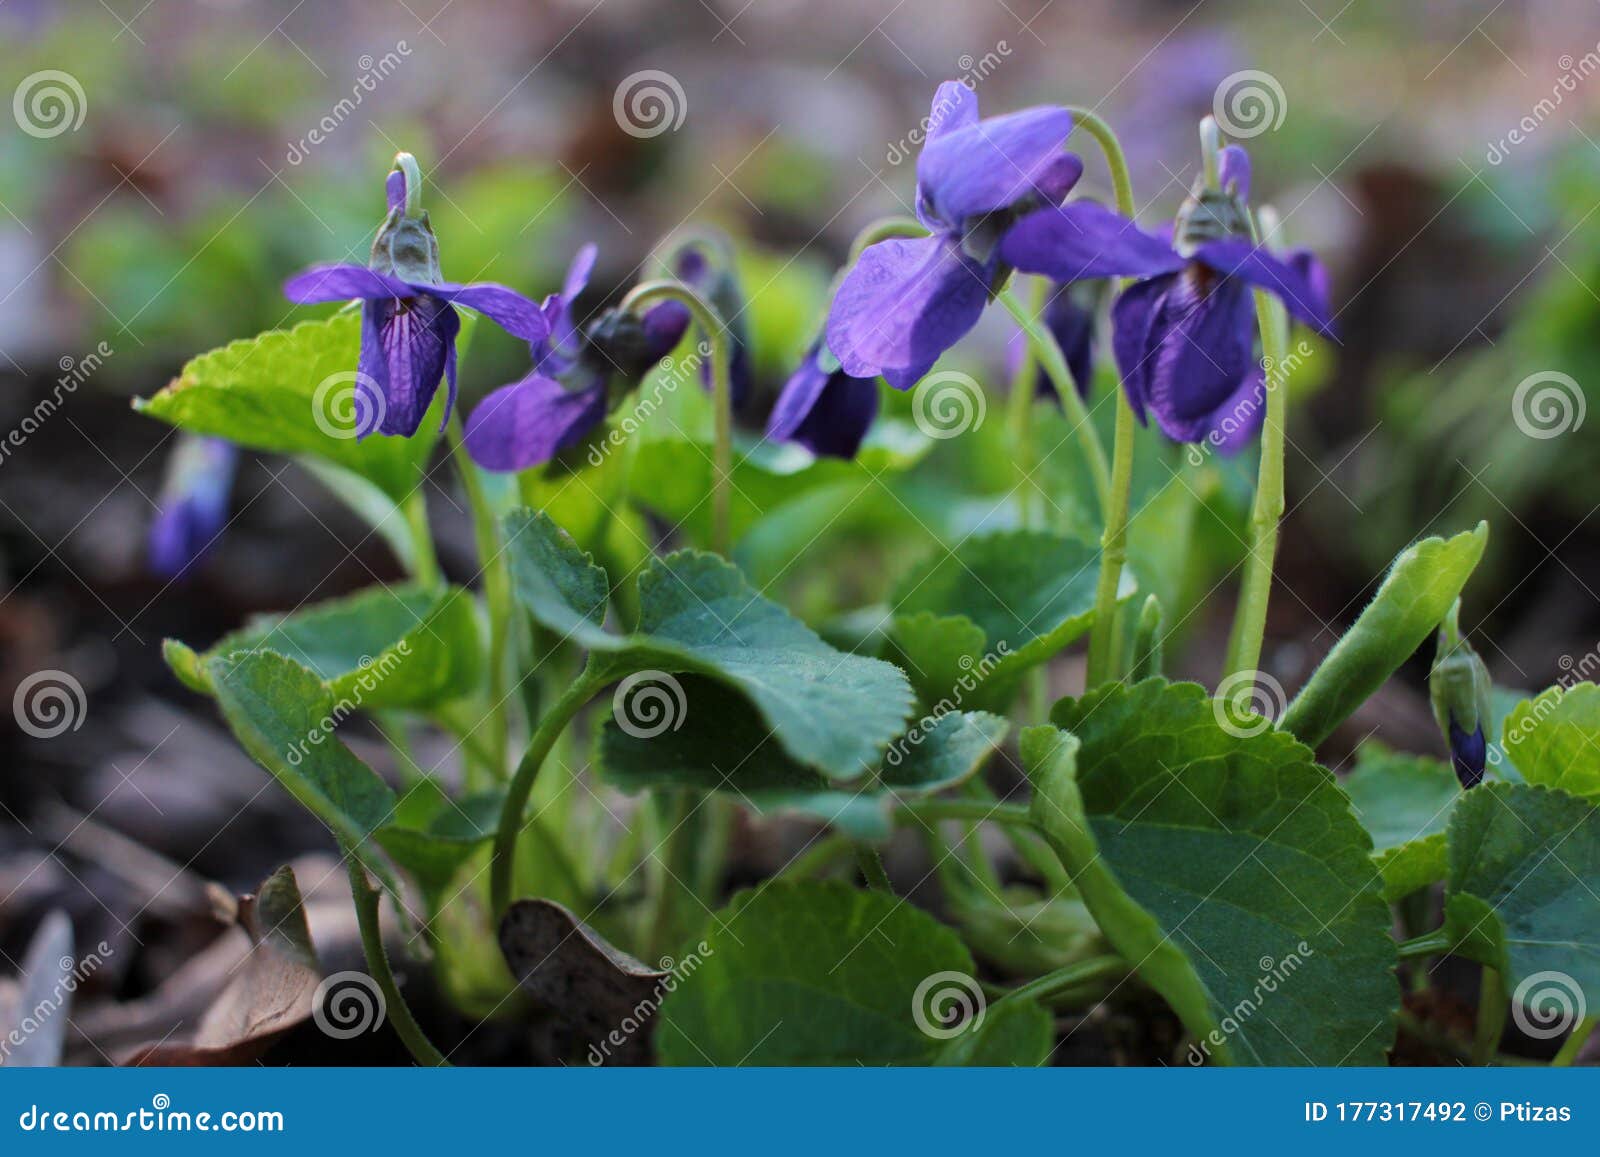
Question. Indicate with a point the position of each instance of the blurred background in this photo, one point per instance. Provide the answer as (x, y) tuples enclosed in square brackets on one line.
[(166, 163)]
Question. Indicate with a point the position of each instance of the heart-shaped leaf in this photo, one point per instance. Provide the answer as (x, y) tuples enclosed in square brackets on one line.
[(1404, 802), (818, 974), (401, 646), (1521, 895), (970, 621), (829, 710), (291, 392), (1226, 866), (1415, 596), (718, 744)]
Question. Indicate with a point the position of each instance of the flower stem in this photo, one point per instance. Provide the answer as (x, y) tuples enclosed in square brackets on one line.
[(1114, 539), (640, 298), (1048, 352), (1491, 1017), (424, 561), (367, 899), (1574, 1042), (872, 869), (496, 592), (884, 229), (1250, 619), (407, 164), (1067, 976), (555, 720)]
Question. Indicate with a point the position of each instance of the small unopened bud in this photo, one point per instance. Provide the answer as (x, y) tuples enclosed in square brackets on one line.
[(1458, 686)]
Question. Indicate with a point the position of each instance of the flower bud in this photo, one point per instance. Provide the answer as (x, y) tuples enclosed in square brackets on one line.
[(1458, 686)]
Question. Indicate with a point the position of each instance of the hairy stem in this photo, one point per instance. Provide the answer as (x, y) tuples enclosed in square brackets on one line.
[(367, 898)]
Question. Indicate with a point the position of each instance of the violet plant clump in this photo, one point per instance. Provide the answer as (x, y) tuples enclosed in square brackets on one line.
[(1166, 837)]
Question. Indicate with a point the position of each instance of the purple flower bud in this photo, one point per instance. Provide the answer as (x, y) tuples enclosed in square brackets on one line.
[(1468, 753), (193, 506)]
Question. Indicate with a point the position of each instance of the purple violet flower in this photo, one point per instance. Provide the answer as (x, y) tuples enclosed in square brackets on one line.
[(568, 392), (409, 322), (823, 408), (1184, 336), (193, 507), (907, 301)]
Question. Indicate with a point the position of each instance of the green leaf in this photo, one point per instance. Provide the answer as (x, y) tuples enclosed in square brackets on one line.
[(1555, 739), (831, 711), (402, 646), (1018, 1032), (1521, 895), (269, 392), (970, 621), (1417, 592), (1227, 867), (717, 744), (431, 840), (285, 717), (1404, 802), (818, 974)]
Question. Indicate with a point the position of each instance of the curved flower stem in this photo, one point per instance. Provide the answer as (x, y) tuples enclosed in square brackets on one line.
[(1049, 354), (1574, 1042), (367, 899), (1067, 976), (1114, 539), (1250, 619), (496, 593), (711, 324), (555, 720), (884, 229)]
